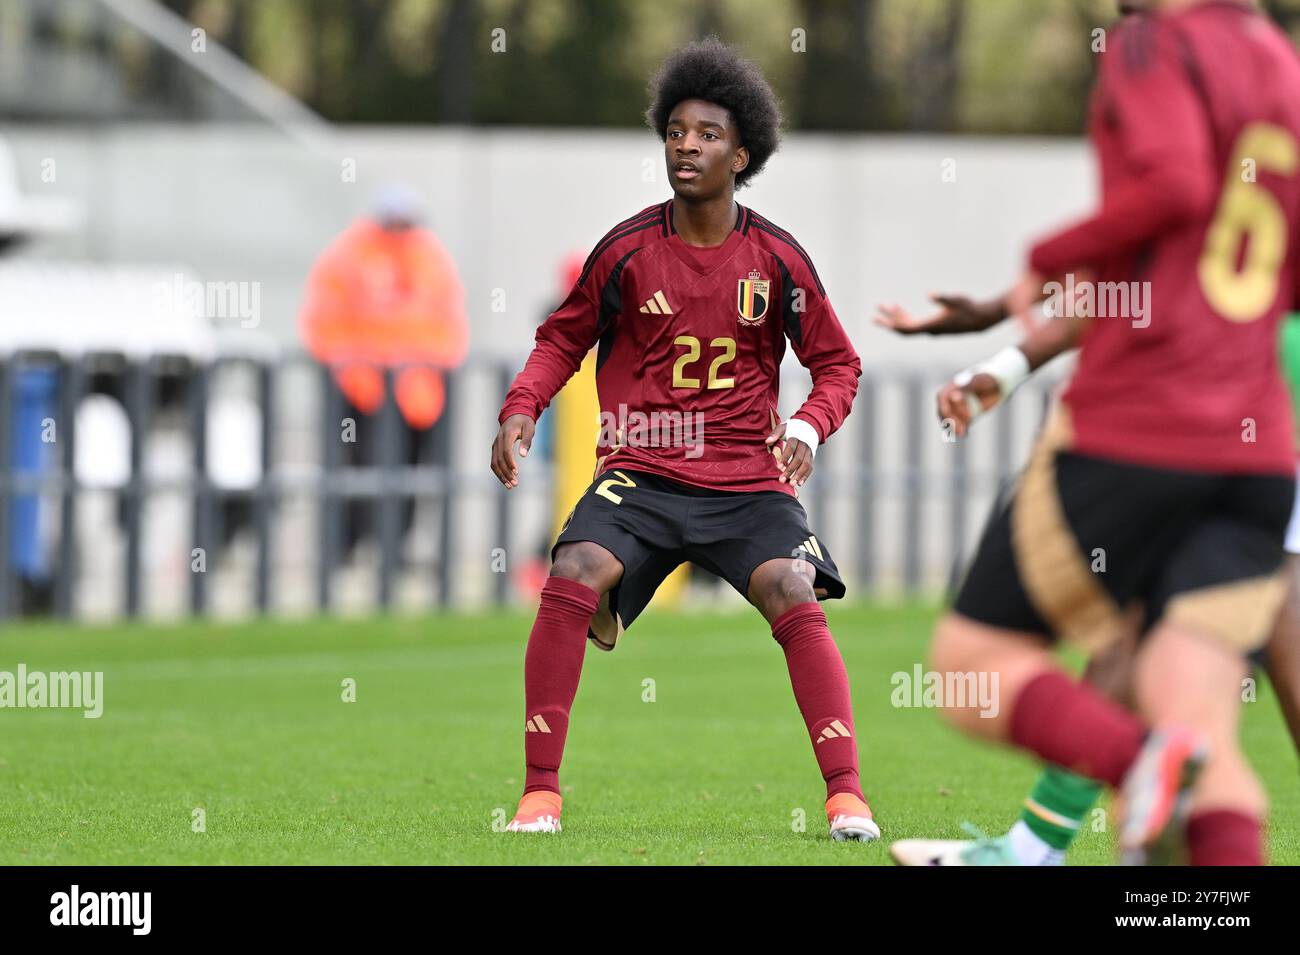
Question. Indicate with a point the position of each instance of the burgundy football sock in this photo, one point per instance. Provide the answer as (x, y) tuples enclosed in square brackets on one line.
[(1225, 837), (1072, 725), (552, 667), (821, 688)]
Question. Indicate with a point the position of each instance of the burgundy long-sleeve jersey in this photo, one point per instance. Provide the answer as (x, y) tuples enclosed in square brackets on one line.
[(1195, 119), (689, 344)]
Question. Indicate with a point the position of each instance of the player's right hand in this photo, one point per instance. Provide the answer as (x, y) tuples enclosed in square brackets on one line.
[(956, 314), (517, 428), (955, 401)]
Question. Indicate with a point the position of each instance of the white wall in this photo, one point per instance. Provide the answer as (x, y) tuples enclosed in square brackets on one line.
[(246, 204)]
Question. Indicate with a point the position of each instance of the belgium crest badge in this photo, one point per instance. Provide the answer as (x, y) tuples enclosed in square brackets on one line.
[(752, 296)]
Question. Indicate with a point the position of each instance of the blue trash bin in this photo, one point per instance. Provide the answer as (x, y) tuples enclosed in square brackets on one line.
[(36, 393)]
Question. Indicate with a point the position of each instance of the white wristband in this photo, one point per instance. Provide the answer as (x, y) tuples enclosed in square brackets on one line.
[(1009, 368), (801, 430)]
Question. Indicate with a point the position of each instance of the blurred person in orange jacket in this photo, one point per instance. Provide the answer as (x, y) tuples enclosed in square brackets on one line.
[(385, 295)]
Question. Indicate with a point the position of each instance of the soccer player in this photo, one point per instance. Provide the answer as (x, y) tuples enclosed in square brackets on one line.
[(1174, 455), (690, 305), (1054, 811)]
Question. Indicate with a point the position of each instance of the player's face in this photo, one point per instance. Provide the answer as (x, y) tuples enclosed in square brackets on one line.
[(702, 149)]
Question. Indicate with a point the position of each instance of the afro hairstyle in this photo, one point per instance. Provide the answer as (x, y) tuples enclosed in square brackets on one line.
[(710, 70)]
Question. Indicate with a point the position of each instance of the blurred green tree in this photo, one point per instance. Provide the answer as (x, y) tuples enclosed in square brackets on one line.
[(910, 65)]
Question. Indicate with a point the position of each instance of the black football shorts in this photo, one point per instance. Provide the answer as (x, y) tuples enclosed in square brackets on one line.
[(653, 524), (1083, 549)]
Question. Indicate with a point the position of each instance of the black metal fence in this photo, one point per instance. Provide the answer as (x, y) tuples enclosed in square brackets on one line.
[(888, 467)]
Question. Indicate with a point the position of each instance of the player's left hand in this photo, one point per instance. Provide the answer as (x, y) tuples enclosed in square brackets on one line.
[(795, 457), (954, 401)]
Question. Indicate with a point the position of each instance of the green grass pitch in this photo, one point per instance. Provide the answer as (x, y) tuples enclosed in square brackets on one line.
[(247, 722)]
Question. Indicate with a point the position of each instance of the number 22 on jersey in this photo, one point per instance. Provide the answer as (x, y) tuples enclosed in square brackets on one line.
[(726, 353)]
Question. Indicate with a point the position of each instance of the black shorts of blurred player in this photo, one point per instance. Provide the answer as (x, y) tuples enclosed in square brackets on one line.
[(1081, 543)]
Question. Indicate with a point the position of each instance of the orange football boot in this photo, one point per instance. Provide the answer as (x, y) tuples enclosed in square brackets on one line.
[(539, 811), (850, 819)]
